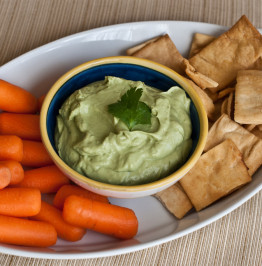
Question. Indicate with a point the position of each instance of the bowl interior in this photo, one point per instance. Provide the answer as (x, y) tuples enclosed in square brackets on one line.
[(134, 72)]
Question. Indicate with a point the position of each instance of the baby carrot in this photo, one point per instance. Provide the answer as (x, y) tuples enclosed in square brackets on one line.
[(40, 101), (15, 99), (68, 190), (16, 169), (25, 126), (11, 148), (101, 217), (20, 202), (24, 232), (52, 215), (5, 176), (47, 179), (35, 154)]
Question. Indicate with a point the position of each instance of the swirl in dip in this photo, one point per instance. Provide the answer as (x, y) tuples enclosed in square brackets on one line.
[(98, 145)]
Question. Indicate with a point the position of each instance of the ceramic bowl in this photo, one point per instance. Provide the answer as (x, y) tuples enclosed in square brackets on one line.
[(152, 74)]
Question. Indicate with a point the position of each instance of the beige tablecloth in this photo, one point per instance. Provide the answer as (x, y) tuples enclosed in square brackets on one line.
[(235, 239)]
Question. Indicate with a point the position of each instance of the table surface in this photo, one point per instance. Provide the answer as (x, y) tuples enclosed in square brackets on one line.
[(235, 239)]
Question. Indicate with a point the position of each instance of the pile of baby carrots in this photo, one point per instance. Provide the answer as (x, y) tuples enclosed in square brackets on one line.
[(27, 172)]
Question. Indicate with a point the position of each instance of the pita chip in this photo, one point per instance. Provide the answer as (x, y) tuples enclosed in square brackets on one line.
[(225, 92), (206, 100), (248, 97), (213, 96), (217, 112), (175, 200), (248, 144), (136, 48), (163, 51), (230, 105), (236, 49), (201, 80), (199, 41), (216, 174), (224, 106)]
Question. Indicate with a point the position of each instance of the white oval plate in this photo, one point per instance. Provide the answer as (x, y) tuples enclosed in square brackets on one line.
[(37, 70)]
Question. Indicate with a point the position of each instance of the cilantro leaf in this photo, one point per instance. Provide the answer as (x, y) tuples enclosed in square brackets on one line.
[(130, 110)]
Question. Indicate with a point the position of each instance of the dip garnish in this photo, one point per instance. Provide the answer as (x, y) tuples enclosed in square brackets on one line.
[(130, 110)]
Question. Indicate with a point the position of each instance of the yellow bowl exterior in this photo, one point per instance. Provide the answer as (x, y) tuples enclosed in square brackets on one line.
[(118, 190)]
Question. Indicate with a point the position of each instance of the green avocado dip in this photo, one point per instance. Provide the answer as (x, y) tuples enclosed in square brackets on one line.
[(99, 145)]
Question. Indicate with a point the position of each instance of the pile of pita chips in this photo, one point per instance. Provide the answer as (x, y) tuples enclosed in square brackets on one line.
[(226, 73), (234, 50)]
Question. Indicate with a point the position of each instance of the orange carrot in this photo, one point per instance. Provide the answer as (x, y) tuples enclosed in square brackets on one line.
[(20, 202), (47, 179), (35, 154), (52, 215), (40, 101), (15, 99), (24, 232), (5, 176), (68, 190), (11, 148), (25, 126), (101, 217), (16, 169)]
